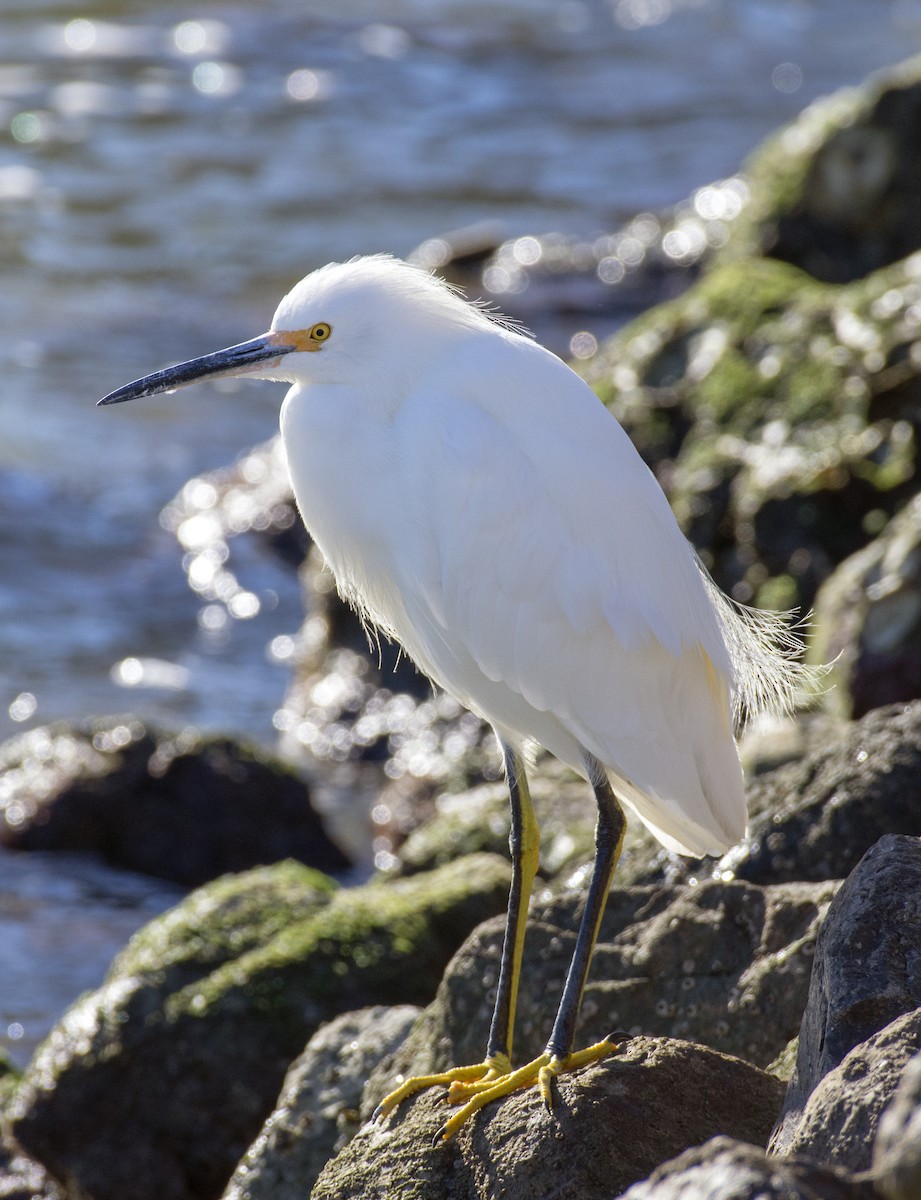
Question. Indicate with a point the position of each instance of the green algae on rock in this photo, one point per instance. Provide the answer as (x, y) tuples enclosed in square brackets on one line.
[(836, 191), (781, 415), (156, 1083), (867, 622)]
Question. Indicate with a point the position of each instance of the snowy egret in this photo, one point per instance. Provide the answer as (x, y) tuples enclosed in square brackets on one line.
[(478, 503)]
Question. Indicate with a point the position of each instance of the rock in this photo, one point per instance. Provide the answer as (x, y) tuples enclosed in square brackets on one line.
[(317, 1111), (897, 1151), (156, 1084), (610, 1125), (251, 496), (727, 964), (867, 973), (479, 820), (815, 818), (181, 807), (9, 1079), (780, 414), (841, 1116), (867, 621), (836, 192), (23, 1179), (725, 1169)]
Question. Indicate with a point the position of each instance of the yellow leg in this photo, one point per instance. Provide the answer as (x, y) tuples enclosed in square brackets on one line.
[(524, 844), (471, 1088)]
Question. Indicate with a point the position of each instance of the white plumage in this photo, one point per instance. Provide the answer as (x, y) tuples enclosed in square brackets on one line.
[(477, 501)]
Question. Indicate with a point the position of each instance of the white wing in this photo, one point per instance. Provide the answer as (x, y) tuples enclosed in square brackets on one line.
[(547, 585)]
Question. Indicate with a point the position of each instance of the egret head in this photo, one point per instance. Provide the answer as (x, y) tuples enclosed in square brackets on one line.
[(358, 323)]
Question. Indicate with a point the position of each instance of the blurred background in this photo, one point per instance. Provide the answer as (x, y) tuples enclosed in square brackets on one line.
[(167, 171)]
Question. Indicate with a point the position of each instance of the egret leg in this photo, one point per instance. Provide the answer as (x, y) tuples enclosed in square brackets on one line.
[(558, 1056), (524, 844), (609, 839)]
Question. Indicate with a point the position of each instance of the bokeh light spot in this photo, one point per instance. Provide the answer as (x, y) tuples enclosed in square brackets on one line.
[(80, 35), (787, 77)]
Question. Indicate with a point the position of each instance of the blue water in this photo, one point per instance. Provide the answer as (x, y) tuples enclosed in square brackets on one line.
[(166, 172)]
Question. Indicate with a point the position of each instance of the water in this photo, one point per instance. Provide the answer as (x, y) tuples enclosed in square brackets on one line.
[(167, 171)]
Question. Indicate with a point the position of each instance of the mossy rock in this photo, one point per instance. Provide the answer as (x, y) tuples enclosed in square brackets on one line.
[(155, 1084), (780, 413), (867, 622), (836, 191), (479, 820), (9, 1080)]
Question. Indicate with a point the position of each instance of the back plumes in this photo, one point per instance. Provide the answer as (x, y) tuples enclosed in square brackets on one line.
[(765, 651)]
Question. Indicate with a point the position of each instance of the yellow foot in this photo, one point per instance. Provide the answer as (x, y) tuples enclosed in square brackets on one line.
[(540, 1071), (490, 1070), (474, 1087)]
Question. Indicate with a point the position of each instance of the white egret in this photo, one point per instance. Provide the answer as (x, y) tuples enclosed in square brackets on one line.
[(477, 502)]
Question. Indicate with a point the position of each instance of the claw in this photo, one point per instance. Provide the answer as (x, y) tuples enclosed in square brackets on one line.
[(474, 1087)]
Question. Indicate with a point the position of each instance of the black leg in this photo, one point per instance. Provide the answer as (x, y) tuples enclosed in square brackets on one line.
[(609, 836)]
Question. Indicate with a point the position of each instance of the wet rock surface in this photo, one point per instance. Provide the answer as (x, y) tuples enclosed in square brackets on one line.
[(780, 409), (815, 818), (779, 414), (182, 807), (516, 1148), (835, 192), (23, 1179)]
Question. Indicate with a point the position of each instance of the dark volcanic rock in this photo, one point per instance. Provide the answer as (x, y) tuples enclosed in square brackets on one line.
[(182, 807), (724, 1169), (156, 1084), (23, 1179), (867, 621), (815, 818), (867, 971), (840, 1119), (610, 1125), (836, 192), (727, 964)]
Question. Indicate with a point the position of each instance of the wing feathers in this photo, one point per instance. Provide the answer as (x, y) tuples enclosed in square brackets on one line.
[(554, 593)]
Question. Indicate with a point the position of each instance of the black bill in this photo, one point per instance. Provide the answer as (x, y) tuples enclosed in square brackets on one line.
[(235, 360)]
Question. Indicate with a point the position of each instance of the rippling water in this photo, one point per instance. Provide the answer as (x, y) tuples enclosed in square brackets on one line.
[(166, 171)]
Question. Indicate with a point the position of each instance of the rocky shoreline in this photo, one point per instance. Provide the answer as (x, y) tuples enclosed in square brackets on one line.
[(770, 1001)]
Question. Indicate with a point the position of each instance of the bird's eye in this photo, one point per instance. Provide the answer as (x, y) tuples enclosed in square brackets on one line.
[(320, 332)]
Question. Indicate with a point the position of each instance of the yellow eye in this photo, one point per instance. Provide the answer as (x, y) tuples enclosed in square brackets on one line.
[(320, 332)]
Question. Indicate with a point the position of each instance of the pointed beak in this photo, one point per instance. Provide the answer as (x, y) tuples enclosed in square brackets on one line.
[(243, 359)]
